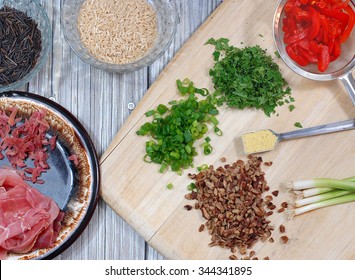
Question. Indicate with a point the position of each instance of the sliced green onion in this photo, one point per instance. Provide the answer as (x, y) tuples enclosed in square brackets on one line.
[(188, 149), (213, 120), (175, 155), (147, 158), (202, 91), (162, 109), (207, 150), (163, 167), (150, 113), (202, 167), (218, 131), (169, 186), (204, 129), (182, 89), (175, 129)]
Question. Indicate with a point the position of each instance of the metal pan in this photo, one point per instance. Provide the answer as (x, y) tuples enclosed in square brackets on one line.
[(341, 68), (75, 188)]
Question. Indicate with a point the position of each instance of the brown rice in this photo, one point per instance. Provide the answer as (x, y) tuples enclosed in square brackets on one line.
[(117, 31)]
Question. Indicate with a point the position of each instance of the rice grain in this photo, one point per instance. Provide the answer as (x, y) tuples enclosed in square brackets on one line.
[(117, 31)]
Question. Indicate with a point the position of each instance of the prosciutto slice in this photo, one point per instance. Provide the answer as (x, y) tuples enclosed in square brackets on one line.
[(28, 219)]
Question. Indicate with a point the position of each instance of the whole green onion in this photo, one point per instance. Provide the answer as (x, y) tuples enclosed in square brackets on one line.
[(320, 192)]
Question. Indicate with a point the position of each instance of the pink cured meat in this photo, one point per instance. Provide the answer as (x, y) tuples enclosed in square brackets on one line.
[(25, 139), (28, 219)]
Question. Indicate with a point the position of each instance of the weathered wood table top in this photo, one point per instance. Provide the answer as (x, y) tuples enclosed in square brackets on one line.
[(102, 101)]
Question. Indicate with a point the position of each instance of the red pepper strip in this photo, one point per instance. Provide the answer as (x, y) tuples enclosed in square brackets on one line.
[(340, 5), (331, 44), (299, 35), (304, 44), (325, 27), (302, 15), (335, 29), (307, 55), (321, 4), (338, 1), (285, 28), (290, 4), (319, 37), (323, 58), (291, 53), (291, 25), (336, 50), (304, 2), (350, 25), (315, 26), (313, 47), (343, 17)]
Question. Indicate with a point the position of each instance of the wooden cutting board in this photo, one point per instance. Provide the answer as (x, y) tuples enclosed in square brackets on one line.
[(137, 192)]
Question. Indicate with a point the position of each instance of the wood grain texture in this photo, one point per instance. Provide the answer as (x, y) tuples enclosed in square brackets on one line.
[(136, 191), (100, 101)]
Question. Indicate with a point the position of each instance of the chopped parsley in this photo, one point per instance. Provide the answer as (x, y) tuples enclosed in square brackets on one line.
[(291, 107), (298, 124), (247, 77)]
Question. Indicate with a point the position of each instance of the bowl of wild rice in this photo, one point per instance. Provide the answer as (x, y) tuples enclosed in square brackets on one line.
[(119, 36), (25, 38)]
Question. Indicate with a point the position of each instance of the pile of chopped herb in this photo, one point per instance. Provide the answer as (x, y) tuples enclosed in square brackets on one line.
[(175, 130), (248, 77)]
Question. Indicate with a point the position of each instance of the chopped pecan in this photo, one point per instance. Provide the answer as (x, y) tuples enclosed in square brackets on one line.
[(188, 207), (230, 198)]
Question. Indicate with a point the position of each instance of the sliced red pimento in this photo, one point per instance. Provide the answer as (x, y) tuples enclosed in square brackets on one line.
[(295, 56), (315, 24), (21, 140), (323, 23), (74, 159), (350, 25), (323, 58)]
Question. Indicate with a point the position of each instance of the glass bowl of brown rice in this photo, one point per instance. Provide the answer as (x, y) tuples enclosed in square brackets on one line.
[(119, 35)]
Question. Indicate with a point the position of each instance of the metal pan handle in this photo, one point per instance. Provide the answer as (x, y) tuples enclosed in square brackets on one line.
[(349, 83)]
